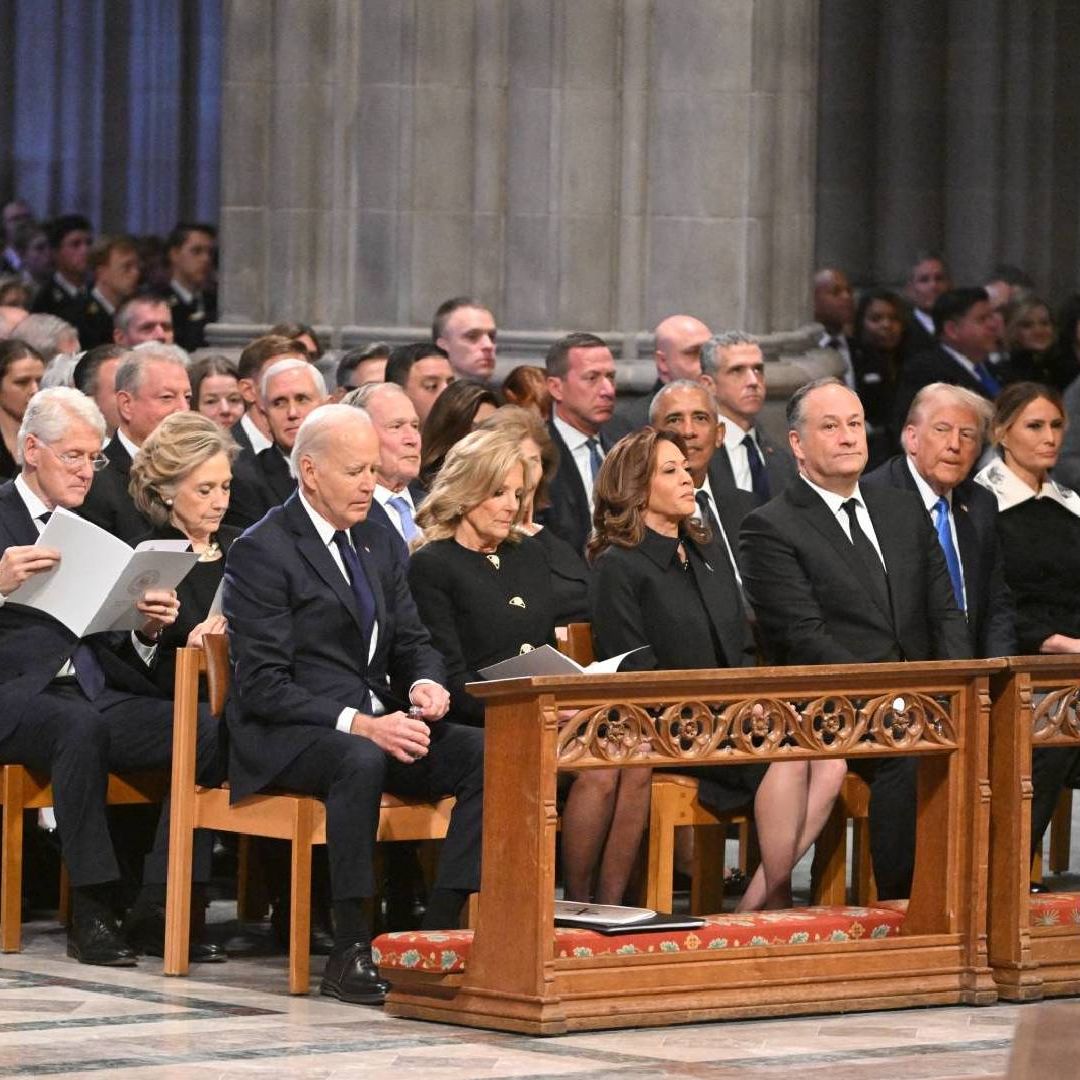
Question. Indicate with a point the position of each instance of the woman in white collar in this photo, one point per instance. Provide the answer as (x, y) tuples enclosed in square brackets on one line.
[(1039, 526)]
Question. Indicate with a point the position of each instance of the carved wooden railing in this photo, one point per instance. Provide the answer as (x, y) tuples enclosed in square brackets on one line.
[(1036, 703), (937, 712)]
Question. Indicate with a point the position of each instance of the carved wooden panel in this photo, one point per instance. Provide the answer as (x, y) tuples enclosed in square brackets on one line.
[(1055, 717)]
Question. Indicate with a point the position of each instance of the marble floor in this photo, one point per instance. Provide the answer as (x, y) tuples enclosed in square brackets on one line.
[(62, 1019)]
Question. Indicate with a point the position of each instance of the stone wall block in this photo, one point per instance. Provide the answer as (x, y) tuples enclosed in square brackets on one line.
[(248, 107), (701, 46), (375, 300), (442, 139), (528, 157), (440, 258), (586, 271), (445, 44), (377, 146), (589, 151), (591, 34), (303, 40), (529, 272), (245, 240), (530, 44)]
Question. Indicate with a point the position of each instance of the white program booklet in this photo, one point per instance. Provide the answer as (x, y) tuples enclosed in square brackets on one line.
[(99, 579), (549, 661), (568, 911)]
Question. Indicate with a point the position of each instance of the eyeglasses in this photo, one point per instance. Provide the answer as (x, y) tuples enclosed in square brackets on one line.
[(74, 460)]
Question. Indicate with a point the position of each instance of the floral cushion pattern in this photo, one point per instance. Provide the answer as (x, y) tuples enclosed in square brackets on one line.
[(1055, 909), (448, 950)]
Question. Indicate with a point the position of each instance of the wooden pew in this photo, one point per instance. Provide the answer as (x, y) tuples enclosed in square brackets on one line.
[(1034, 942), (515, 978)]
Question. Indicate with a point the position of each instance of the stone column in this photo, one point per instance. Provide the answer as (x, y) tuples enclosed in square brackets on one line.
[(576, 165)]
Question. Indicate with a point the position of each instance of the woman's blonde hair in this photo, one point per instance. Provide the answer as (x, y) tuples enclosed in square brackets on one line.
[(175, 448), (471, 472)]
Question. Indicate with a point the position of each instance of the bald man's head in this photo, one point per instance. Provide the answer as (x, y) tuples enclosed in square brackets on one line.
[(678, 347)]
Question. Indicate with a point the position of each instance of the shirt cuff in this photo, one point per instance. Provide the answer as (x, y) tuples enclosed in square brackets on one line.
[(345, 719), (146, 652), (420, 682)]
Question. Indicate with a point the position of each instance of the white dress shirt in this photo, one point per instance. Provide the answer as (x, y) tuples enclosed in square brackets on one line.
[(734, 434), (926, 320), (576, 443), (930, 497), (835, 503), (839, 342), (962, 360)]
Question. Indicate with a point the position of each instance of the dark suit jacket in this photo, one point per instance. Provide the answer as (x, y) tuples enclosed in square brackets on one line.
[(240, 436), (779, 464), (53, 299), (990, 615), (260, 482), (924, 368), (568, 515), (812, 604), (190, 319), (299, 652), (34, 647), (95, 325), (108, 503)]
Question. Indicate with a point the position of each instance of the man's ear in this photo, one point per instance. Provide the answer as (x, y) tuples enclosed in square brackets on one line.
[(721, 434), (554, 385)]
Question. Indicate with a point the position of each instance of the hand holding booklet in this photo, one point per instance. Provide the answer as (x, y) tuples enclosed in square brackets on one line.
[(549, 661), (99, 579)]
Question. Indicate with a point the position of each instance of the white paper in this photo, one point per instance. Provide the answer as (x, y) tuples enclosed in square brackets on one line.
[(164, 545), (602, 914), (215, 604), (549, 661), (95, 585)]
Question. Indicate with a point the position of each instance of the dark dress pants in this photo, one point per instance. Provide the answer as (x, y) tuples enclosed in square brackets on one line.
[(350, 773), (1050, 768), (78, 742), (893, 789)]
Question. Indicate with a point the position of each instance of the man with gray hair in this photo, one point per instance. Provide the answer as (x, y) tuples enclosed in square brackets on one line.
[(78, 709), (151, 383), (289, 389), (843, 573), (338, 689), (398, 492), (733, 368), (143, 318)]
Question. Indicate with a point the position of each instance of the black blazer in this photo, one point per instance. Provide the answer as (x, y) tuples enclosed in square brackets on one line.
[(812, 605), (930, 366), (34, 647), (637, 600), (241, 437), (299, 652), (260, 481), (190, 319), (779, 465), (108, 503), (990, 616), (568, 515)]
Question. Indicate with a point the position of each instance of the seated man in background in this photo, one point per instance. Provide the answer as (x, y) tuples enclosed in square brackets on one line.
[(114, 262), (252, 430), (338, 688), (360, 365), (143, 318), (78, 709), (423, 371), (466, 330)]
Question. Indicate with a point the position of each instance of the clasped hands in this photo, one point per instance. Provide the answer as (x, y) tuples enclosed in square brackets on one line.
[(403, 735)]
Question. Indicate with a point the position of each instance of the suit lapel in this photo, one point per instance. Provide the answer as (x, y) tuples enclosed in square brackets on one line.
[(720, 592), (721, 474), (967, 541), (118, 456), (16, 518), (276, 474), (892, 552)]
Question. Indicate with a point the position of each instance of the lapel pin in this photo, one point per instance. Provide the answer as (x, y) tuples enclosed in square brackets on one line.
[(516, 601)]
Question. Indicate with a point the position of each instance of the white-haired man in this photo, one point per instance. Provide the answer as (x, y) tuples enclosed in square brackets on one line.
[(338, 688), (289, 390), (78, 709), (151, 383)]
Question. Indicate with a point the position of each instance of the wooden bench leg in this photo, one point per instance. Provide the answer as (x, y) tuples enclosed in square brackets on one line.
[(707, 880), (828, 873), (251, 901), (661, 858), (300, 898), (11, 856), (1061, 833)]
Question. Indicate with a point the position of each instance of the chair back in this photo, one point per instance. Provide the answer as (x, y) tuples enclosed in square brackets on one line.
[(218, 672), (578, 644)]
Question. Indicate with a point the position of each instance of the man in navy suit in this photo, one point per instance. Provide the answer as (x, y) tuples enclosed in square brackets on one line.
[(581, 379), (78, 709), (841, 573), (733, 368), (338, 688)]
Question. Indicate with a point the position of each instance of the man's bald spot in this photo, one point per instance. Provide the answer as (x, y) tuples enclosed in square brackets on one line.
[(678, 327)]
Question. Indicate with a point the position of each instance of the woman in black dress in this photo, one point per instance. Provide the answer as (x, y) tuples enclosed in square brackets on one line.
[(659, 581), (21, 369), (180, 480), (1039, 526), (877, 359)]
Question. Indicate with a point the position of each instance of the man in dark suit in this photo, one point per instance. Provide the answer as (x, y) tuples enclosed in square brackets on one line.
[(398, 492), (151, 383), (66, 295), (929, 278), (114, 262), (252, 430), (966, 336), (581, 380), (838, 573), (329, 654), (191, 250), (942, 440), (733, 368), (834, 308), (289, 390), (678, 342), (78, 709)]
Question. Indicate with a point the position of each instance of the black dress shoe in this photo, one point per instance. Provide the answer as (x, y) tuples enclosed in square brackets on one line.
[(1037, 887), (145, 929), (351, 975), (322, 937), (93, 939)]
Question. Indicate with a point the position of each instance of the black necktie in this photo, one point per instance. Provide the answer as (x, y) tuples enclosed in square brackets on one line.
[(708, 517), (89, 674), (759, 478), (358, 581), (869, 561), (595, 457)]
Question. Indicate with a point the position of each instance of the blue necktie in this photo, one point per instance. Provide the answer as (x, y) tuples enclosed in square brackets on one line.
[(408, 526), (358, 581), (989, 383), (596, 459), (759, 478), (952, 559)]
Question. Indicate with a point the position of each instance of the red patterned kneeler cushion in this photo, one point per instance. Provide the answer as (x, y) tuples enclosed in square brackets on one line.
[(448, 950), (1055, 909)]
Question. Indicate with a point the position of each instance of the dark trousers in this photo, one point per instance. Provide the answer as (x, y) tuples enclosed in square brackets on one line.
[(1050, 767), (893, 786), (350, 773), (78, 743)]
